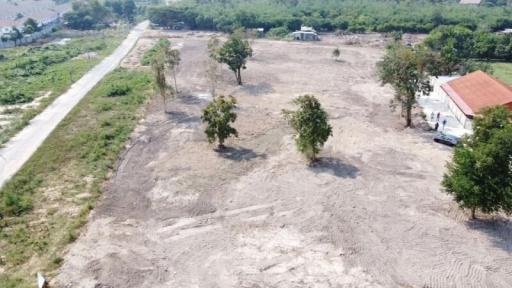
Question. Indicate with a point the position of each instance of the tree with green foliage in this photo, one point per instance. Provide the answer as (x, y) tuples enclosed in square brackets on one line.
[(30, 26), (129, 10), (158, 66), (405, 69), (173, 59), (213, 69), (234, 53), (218, 116), (310, 124), (480, 173), (15, 35)]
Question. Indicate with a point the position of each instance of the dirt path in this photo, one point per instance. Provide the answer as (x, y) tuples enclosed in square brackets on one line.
[(371, 214)]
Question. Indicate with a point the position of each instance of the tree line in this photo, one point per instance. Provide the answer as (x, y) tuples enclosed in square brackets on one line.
[(87, 15), (330, 15), (460, 42)]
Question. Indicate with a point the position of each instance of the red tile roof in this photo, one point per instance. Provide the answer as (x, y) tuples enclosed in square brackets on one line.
[(477, 90)]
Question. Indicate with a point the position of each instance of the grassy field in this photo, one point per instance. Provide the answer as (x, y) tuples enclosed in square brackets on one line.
[(28, 73), (44, 206), (503, 71)]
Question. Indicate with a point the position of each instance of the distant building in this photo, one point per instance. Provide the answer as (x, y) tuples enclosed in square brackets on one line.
[(14, 13), (468, 95), (305, 34), (470, 2)]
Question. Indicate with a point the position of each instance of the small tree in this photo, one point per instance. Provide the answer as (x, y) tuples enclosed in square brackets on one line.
[(480, 174), (173, 60), (218, 116), (158, 66), (30, 26), (310, 124), (406, 70), (234, 53), (336, 53), (15, 35), (213, 71)]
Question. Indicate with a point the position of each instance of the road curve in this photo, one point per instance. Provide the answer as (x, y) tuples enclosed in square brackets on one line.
[(21, 147)]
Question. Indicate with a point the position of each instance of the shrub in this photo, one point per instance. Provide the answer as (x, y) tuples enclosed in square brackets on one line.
[(118, 90), (10, 97), (279, 32)]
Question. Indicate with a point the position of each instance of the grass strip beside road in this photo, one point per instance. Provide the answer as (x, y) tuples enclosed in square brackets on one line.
[(56, 78), (47, 202)]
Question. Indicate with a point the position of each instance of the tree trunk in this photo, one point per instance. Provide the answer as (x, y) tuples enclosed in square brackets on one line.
[(175, 83), (239, 76), (408, 117), (473, 210), (165, 101)]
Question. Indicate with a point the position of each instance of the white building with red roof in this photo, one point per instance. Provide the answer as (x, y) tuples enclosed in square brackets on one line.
[(468, 95)]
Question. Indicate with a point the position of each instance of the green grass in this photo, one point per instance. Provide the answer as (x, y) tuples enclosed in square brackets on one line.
[(59, 185), (30, 72), (503, 71)]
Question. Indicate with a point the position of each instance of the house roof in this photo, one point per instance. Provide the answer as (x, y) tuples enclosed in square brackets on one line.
[(39, 10), (477, 90)]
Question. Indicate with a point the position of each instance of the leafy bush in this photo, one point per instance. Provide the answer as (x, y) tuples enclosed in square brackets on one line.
[(279, 32), (10, 96), (118, 89)]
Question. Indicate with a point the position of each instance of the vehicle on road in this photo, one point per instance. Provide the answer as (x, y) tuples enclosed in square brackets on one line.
[(446, 139)]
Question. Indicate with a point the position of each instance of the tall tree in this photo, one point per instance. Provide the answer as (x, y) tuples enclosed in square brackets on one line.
[(218, 116), (405, 69), (234, 53), (480, 174), (173, 59), (158, 66), (213, 70), (310, 124)]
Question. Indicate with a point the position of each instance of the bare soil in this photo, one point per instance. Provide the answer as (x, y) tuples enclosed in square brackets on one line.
[(370, 213)]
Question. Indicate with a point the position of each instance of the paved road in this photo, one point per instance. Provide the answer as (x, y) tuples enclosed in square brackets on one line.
[(21, 147)]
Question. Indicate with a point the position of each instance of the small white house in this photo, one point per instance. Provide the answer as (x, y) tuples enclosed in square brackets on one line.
[(306, 34)]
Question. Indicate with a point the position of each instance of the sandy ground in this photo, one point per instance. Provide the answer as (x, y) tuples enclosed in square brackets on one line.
[(370, 214)]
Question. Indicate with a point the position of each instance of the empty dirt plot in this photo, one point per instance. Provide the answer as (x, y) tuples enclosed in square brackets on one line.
[(370, 214)]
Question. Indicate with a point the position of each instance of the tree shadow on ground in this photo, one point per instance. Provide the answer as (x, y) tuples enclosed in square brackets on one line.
[(499, 230), (239, 154), (191, 99), (335, 167), (181, 117), (259, 89)]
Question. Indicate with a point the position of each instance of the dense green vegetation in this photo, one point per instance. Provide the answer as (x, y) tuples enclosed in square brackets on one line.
[(62, 180), (479, 176), (459, 42), (94, 14), (330, 15), (30, 72)]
